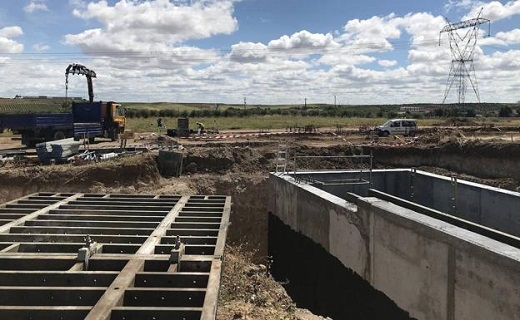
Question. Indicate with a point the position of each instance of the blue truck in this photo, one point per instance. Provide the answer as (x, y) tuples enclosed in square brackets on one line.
[(86, 120)]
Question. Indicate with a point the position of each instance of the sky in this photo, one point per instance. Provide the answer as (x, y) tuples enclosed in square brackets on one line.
[(262, 51)]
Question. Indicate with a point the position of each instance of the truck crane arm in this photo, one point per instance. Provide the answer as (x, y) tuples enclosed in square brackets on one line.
[(75, 68)]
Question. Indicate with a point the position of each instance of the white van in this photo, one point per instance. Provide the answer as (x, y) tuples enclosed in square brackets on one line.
[(405, 127)]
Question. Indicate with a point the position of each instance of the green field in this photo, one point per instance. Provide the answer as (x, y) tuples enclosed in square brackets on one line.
[(239, 118), (253, 122), (16, 106), (264, 122)]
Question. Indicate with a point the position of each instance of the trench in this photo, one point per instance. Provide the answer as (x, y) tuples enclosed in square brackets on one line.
[(399, 239), (317, 281)]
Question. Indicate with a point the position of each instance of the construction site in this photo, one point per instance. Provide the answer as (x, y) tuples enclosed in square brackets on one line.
[(399, 221), (116, 239)]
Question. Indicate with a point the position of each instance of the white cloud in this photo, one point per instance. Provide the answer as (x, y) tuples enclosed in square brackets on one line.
[(506, 62), (387, 63), (371, 35), (78, 3), (140, 51), (510, 37), (343, 57), (304, 41), (459, 4), (35, 6), (7, 45), (148, 25), (247, 52), (502, 38), (495, 10), (10, 32), (423, 28), (40, 47)]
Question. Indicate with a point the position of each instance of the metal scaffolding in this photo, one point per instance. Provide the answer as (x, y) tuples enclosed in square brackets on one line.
[(361, 178)]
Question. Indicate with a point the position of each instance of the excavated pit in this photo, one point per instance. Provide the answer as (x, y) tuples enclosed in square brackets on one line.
[(241, 171)]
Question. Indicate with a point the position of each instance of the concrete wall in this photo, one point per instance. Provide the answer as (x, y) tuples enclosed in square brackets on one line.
[(492, 207), (429, 268)]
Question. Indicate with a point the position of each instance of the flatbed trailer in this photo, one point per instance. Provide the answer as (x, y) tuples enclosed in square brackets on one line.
[(87, 120)]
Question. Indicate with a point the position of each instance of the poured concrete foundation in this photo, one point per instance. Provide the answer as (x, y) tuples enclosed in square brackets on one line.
[(433, 269)]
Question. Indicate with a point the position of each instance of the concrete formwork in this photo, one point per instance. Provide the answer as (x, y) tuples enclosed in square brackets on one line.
[(431, 268), (110, 256)]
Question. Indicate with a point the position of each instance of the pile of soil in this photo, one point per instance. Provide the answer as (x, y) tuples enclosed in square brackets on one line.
[(127, 175), (438, 135), (220, 158)]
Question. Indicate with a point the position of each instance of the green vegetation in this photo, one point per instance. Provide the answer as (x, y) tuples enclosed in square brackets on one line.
[(164, 110), (141, 117), (263, 122), (16, 106), (205, 111)]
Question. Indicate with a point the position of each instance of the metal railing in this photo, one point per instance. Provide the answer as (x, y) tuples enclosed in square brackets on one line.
[(359, 180)]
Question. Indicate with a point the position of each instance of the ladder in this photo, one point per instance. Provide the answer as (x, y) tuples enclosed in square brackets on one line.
[(281, 159)]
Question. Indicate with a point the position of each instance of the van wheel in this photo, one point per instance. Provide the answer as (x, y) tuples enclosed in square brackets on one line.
[(386, 133)]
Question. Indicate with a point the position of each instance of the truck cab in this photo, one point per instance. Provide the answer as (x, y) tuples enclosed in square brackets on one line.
[(405, 127), (96, 119), (116, 115)]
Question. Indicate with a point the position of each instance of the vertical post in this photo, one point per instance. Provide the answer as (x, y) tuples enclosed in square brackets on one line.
[(454, 198), (361, 166), (370, 174), (412, 182), (295, 164)]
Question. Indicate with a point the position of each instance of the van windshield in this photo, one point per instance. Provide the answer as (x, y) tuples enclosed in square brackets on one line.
[(387, 124)]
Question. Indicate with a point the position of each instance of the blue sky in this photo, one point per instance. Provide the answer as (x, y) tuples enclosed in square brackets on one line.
[(270, 51)]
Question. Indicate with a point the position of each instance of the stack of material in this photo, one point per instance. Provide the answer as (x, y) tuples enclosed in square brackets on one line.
[(62, 149), (58, 150), (44, 150)]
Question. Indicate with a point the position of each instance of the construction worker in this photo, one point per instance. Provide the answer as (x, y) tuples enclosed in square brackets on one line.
[(160, 123), (201, 128)]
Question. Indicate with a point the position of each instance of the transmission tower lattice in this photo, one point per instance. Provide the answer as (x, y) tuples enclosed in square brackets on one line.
[(462, 47)]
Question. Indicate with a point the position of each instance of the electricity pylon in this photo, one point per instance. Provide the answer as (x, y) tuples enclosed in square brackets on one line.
[(462, 48)]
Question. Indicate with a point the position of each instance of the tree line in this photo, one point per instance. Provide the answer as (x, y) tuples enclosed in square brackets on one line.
[(392, 111)]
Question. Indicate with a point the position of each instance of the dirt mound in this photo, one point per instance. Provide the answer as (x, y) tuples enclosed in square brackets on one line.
[(440, 136), (131, 172), (333, 157), (223, 158)]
